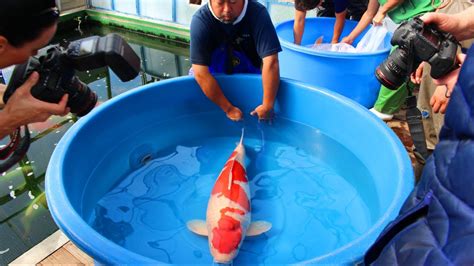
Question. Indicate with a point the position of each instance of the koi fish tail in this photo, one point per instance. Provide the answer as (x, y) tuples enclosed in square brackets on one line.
[(215, 263)]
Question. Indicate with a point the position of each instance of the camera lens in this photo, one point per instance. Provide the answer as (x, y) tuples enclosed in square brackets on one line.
[(393, 72), (81, 98)]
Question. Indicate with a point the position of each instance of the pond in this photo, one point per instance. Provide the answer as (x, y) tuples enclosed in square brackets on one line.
[(24, 217)]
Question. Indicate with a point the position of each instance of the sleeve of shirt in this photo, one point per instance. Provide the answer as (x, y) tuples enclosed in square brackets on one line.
[(199, 44), (340, 5), (266, 39)]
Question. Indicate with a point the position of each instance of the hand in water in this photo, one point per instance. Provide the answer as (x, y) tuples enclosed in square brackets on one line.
[(347, 40), (234, 114), (263, 112)]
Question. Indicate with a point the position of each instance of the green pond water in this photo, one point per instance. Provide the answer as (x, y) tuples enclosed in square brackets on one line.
[(24, 217)]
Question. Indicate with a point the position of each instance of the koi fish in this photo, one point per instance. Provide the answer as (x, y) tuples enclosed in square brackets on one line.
[(228, 218)]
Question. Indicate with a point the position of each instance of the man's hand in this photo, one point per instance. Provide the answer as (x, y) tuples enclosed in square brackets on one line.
[(27, 109), (348, 40), (22, 108), (263, 112), (3, 88), (378, 19), (234, 113), (452, 77), (447, 23), (439, 101), (416, 76), (212, 90)]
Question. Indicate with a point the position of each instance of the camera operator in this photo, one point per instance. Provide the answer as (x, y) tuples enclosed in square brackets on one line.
[(25, 27), (435, 225), (433, 98)]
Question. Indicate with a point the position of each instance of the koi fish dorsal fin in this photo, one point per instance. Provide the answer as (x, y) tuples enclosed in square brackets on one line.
[(229, 183), (258, 227), (198, 227), (242, 137)]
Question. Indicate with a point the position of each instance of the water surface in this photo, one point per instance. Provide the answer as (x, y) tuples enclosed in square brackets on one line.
[(314, 191)]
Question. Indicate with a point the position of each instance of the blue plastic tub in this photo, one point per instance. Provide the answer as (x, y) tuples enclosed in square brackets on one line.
[(125, 179), (351, 75)]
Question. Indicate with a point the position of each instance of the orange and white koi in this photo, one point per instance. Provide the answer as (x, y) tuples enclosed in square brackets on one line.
[(228, 218)]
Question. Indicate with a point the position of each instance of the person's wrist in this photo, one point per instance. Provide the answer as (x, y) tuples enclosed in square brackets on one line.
[(267, 106), (8, 122), (227, 108)]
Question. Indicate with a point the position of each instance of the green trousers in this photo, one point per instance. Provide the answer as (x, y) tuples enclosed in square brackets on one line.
[(390, 101)]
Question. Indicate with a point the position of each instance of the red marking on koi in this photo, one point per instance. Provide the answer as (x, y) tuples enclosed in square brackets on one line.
[(236, 194), (227, 235)]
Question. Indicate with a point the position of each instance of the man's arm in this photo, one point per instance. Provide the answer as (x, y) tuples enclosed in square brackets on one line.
[(366, 19), (212, 90), (271, 83), (298, 26), (338, 26), (383, 10), (3, 88)]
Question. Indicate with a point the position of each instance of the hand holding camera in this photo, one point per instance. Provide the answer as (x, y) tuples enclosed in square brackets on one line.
[(57, 70), (29, 109), (47, 86), (418, 42)]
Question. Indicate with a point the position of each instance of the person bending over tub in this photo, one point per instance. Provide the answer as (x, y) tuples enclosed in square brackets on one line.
[(235, 36)]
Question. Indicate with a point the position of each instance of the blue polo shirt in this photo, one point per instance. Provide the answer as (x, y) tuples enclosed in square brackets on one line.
[(254, 36)]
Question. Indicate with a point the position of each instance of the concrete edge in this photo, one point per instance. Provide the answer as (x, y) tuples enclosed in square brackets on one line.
[(42, 250)]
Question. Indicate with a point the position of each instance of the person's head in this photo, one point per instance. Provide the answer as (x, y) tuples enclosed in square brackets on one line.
[(227, 11), (25, 27)]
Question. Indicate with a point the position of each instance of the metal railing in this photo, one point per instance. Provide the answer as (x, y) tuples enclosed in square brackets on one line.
[(179, 11)]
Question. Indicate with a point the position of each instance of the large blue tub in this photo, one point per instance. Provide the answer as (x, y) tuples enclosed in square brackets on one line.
[(351, 75), (125, 179)]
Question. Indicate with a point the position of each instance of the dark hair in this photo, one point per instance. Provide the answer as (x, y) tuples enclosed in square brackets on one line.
[(23, 21)]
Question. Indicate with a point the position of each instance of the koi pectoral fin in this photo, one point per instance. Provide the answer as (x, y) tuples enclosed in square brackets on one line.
[(258, 228), (198, 227)]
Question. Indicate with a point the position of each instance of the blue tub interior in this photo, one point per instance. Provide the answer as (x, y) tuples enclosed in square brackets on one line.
[(123, 191), (349, 74)]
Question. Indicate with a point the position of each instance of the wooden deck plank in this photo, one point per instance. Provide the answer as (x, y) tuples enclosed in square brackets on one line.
[(68, 254), (61, 256), (79, 254)]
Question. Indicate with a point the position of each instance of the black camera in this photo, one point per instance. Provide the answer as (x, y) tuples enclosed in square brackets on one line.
[(417, 42), (57, 70)]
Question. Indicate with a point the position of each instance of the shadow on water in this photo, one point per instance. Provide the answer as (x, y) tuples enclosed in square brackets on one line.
[(24, 217)]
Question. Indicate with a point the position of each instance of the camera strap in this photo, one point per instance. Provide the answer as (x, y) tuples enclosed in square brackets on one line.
[(15, 150)]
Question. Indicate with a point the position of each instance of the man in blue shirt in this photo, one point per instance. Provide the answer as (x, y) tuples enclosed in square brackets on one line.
[(235, 36)]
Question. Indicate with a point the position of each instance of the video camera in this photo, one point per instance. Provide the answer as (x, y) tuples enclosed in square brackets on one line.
[(417, 42), (57, 70), (57, 77)]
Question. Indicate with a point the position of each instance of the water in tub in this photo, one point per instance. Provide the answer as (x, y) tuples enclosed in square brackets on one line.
[(316, 193)]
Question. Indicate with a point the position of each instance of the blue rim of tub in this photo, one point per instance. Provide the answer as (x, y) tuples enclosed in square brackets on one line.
[(306, 50), (70, 222)]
